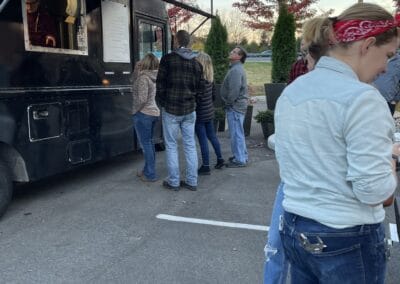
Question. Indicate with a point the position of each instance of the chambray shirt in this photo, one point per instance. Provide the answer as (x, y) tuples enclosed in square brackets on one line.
[(388, 83), (333, 146)]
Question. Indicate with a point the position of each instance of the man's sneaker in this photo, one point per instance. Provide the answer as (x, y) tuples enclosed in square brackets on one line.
[(220, 164), (231, 158), (204, 170), (188, 186), (170, 187), (235, 164)]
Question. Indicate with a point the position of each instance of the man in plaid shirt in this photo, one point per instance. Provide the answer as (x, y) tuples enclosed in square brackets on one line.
[(179, 81)]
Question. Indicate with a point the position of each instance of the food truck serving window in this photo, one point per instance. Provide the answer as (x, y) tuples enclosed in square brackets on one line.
[(57, 26)]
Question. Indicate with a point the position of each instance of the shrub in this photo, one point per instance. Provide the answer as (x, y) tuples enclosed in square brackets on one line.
[(264, 116), (217, 47), (283, 46)]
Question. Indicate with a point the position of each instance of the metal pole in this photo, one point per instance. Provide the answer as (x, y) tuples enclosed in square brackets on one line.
[(2, 5), (212, 10)]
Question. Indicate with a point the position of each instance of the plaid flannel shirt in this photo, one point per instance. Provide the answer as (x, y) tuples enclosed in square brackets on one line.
[(179, 81), (298, 68)]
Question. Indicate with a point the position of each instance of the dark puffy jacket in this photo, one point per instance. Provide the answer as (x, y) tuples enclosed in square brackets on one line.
[(205, 106)]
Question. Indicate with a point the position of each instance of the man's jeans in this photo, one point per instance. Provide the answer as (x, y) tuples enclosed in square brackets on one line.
[(321, 254), (171, 126), (276, 264), (205, 131), (236, 133), (144, 126)]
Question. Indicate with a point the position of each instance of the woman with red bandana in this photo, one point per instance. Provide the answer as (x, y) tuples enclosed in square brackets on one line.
[(335, 152)]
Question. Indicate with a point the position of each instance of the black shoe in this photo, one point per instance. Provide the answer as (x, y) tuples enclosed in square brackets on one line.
[(170, 187), (220, 164), (231, 158), (204, 171), (188, 186), (235, 164)]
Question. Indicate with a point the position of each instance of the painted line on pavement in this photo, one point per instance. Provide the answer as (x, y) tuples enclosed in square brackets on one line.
[(393, 229), (393, 232), (212, 223)]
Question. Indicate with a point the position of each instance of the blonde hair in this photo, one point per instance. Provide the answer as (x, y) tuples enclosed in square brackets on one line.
[(205, 60), (320, 30), (149, 62)]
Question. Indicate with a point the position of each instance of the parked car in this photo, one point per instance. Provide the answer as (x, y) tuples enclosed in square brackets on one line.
[(266, 53)]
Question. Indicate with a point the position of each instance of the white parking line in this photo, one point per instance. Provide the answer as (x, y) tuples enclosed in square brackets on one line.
[(392, 227), (212, 223), (393, 232)]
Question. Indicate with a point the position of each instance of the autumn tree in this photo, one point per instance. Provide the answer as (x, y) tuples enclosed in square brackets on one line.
[(178, 15), (262, 13)]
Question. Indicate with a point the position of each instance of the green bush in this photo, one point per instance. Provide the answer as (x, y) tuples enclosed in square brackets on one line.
[(217, 47), (264, 116), (283, 46), (219, 113)]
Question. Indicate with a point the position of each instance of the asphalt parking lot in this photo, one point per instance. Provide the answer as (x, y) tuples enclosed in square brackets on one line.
[(101, 224)]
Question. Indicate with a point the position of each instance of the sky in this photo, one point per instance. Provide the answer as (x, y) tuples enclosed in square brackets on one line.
[(323, 5)]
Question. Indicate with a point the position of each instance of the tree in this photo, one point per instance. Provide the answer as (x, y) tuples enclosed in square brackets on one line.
[(178, 15), (283, 46), (217, 47), (262, 13)]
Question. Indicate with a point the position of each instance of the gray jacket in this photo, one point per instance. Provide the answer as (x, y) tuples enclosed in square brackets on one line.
[(234, 88)]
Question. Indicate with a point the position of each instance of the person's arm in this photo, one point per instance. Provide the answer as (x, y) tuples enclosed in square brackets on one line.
[(161, 82), (50, 31), (367, 127), (143, 92), (234, 84), (388, 83)]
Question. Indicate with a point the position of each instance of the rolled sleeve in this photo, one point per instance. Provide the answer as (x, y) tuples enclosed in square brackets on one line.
[(369, 146)]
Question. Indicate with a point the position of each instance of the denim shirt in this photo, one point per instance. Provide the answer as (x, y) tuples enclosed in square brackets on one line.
[(388, 83), (333, 145)]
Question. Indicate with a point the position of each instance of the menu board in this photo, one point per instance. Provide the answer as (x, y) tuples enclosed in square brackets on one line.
[(115, 15)]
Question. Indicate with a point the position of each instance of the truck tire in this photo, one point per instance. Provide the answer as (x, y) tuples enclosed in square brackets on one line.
[(6, 188)]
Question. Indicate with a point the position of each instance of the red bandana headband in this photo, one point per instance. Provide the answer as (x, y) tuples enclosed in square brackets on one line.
[(353, 30)]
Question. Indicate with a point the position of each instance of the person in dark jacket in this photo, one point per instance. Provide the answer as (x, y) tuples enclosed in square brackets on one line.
[(179, 81), (205, 116)]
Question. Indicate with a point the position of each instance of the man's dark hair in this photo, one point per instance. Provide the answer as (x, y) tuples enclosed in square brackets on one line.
[(242, 53), (183, 38)]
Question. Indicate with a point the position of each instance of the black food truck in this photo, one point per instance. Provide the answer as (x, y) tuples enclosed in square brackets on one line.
[(66, 82)]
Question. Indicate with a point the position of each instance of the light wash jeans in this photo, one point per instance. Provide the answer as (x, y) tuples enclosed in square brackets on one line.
[(276, 263), (172, 124), (144, 126), (355, 255), (236, 133)]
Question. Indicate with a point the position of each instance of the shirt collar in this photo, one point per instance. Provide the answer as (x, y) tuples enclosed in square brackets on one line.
[(336, 65)]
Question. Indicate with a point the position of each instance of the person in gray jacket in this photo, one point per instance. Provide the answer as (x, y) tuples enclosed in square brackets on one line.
[(235, 96)]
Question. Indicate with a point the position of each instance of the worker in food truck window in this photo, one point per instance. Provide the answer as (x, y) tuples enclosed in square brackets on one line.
[(41, 25)]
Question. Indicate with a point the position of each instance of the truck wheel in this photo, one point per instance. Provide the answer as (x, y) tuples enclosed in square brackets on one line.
[(6, 188)]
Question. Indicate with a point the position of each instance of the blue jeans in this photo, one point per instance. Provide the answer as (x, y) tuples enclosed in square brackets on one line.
[(276, 263), (352, 255), (205, 131), (144, 126), (236, 133), (172, 124)]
